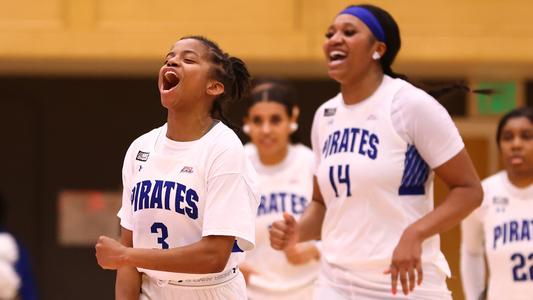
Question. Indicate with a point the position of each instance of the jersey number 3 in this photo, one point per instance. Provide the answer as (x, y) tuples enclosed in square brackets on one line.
[(163, 231), (336, 175)]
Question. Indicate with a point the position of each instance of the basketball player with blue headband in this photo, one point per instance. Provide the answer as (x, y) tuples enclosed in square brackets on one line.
[(378, 145)]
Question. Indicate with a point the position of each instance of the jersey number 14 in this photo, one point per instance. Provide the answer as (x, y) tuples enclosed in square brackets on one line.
[(338, 175)]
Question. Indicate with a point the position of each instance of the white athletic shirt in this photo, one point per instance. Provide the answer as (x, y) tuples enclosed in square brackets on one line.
[(502, 228), (175, 193), (374, 169), (285, 187), (9, 279)]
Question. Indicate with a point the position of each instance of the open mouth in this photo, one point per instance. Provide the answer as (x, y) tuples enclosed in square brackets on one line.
[(337, 55), (170, 80)]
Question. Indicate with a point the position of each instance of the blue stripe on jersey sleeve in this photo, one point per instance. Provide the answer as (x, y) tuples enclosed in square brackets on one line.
[(236, 247), (415, 174)]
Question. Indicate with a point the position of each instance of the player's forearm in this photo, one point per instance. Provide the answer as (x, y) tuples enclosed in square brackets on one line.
[(310, 224), (127, 284), (460, 202), (209, 255)]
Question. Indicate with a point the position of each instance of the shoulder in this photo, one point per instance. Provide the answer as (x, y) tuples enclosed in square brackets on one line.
[(303, 159), (8, 248), (303, 152), (250, 150), (146, 139), (493, 182), (224, 140), (412, 98), (492, 186), (140, 147)]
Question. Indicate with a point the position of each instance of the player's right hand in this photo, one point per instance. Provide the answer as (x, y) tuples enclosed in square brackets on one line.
[(284, 233)]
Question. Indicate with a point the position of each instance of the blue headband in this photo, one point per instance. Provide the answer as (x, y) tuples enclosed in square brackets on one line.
[(368, 18)]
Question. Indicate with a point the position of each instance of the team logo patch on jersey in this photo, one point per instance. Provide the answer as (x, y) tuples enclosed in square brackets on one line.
[(142, 156), (186, 170), (328, 112), (500, 203)]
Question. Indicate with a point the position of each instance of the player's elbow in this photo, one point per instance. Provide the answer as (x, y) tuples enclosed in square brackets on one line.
[(472, 199), (476, 195), (217, 263), (215, 253)]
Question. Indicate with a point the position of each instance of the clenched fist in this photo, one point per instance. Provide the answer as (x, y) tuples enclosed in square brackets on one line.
[(284, 233)]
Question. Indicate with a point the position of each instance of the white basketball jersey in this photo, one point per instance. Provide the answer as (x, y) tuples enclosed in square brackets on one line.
[(285, 187), (506, 216), (374, 183), (177, 192)]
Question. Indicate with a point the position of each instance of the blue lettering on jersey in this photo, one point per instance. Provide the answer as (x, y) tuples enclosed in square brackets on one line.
[(345, 140), (156, 201), (157, 195), (192, 199), (169, 185), (144, 197), (511, 232), (281, 202), (180, 193)]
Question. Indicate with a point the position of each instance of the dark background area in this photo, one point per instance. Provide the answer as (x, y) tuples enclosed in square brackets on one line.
[(529, 93)]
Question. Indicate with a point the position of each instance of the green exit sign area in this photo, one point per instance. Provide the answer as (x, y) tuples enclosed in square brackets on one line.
[(501, 101)]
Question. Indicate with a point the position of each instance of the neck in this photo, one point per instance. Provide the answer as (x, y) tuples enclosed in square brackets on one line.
[(273, 159), (186, 126), (359, 89), (520, 180)]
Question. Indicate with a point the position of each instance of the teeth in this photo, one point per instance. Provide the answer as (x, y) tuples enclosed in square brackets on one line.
[(336, 54), (170, 75)]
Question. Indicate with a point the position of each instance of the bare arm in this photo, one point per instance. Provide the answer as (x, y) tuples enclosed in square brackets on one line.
[(128, 281), (208, 255), (302, 253), (286, 233), (465, 195), (311, 220)]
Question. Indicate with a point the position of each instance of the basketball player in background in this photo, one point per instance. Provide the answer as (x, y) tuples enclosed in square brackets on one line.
[(502, 228), (377, 145), (286, 185), (9, 279), (16, 271), (189, 201)]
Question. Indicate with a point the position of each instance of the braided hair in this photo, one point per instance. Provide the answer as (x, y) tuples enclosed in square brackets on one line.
[(231, 72)]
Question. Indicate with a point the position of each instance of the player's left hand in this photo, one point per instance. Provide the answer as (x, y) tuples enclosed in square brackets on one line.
[(109, 253), (406, 261)]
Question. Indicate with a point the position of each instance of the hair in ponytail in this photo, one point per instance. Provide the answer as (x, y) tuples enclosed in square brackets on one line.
[(231, 72), (394, 43)]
